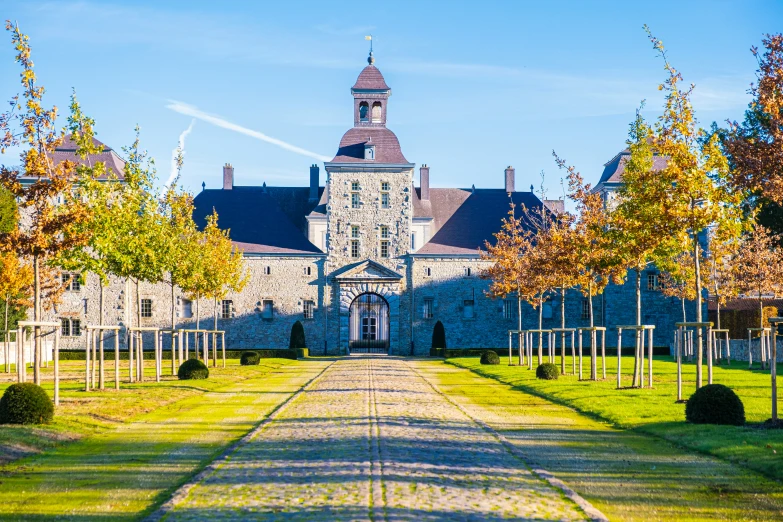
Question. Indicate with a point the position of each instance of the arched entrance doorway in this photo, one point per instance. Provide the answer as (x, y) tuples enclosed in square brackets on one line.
[(368, 324)]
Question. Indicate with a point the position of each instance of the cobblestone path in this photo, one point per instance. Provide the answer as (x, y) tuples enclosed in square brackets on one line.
[(371, 439)]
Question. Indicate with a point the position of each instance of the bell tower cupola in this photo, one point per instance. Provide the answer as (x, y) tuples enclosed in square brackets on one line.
[(370, 97)]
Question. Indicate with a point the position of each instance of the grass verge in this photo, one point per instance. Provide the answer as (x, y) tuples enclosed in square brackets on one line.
[(655, 411)]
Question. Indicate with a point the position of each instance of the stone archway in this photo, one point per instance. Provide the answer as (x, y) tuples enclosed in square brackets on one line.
[(368, 324)]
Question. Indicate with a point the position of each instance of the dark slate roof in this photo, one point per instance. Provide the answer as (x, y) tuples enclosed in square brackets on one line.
[(387, 146), (67, 152), (464, 218), (745, 303), (261, 220), (370, 78), (614, 168)]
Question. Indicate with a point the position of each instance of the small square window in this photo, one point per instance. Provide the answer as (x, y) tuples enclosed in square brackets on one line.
[(467, 308), (226, 308), (468, 272), (384, 249), (146, 308), (355, 231), (268, 309), (429, 307), (385, 200), (384, 232), (307, 270), (354, 185), (267, 270), (385, 186), (307, 309), (355, 200), (428, 272), (509, 309), (413, 241)]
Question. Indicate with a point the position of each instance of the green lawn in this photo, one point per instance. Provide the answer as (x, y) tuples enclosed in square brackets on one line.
[(628, 475), (656, 412), (134, 447)]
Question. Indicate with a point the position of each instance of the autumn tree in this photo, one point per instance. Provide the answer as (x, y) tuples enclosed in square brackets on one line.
[(721, 270), (16, 279), (9, 216), (676, 280), (509, 272), (755, 147), (696, 173), (47, 228), (758, 266)]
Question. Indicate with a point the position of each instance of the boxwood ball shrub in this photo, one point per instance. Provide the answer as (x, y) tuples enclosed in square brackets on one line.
[(193, 369), (25, 403), (490, 357), (547, 371), (715, 404), (249, 358)]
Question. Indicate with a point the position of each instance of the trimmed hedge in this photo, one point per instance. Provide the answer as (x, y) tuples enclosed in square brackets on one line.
[(737, 322), (265, 353), (192, 369), (490, 357), (249, 359), (297, 336), (715, 404), (547, 371), (25, 403)]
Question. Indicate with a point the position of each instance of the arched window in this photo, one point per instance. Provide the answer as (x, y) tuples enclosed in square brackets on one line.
[(376, 112), (364, 109)]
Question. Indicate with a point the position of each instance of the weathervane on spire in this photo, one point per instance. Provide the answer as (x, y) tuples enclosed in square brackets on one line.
[(370, 59)]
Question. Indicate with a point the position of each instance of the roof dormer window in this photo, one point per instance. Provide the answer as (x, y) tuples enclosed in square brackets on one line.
[(369, 151)]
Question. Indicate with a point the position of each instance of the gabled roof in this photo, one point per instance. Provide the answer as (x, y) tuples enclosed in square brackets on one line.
[(67, 152), (367, 270), (261, 220), (614, 168), (464, 218)]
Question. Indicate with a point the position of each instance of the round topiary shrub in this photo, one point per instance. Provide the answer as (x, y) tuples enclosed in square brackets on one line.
[(249, 358), (25, 403), (547, 371), (193, 369), (490, 357), (715, 404)]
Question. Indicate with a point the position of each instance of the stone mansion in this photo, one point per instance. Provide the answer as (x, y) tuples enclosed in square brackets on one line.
[(368, 260)]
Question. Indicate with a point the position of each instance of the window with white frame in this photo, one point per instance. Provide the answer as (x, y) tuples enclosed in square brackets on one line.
[(467, 271), (509, 309), (385, 200), (427, 272), (384, 241), (71, 327), (146, 308), (226, 308), (652, 281), (355, 202), (267, 270), (71, 281), (468, 308), (429, 305), (268, 309), (307, 309), (355, 241)]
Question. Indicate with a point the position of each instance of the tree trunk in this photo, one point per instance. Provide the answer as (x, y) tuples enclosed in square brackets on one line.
[(198, 318), (173, 312), (540, 327), (562, 334), (638, 323), (593, 347), (215, 320), (6, 336), (699, 339), (37, 317), (684, 315)]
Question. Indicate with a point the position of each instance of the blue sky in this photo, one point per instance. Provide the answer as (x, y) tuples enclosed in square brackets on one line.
[(475, 86)]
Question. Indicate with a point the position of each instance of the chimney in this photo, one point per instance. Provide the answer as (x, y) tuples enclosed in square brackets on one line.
[(509, 179), (314, 179), (228, 177), (424, 183)]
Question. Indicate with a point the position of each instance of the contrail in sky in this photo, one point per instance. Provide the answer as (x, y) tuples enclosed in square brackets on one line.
[(189, 110), (181, 146)]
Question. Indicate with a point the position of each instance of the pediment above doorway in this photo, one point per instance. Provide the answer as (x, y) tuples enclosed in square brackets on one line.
[(366, 271)]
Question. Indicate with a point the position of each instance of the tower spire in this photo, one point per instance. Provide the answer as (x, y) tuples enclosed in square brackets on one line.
[(370, 58)]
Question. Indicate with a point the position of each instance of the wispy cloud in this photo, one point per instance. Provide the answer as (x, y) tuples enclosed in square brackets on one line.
[(179, 148), (194, 112)]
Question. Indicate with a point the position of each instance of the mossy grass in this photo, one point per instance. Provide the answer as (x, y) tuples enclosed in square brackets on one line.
[(655, 411), (136, 446), (627, 474)]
